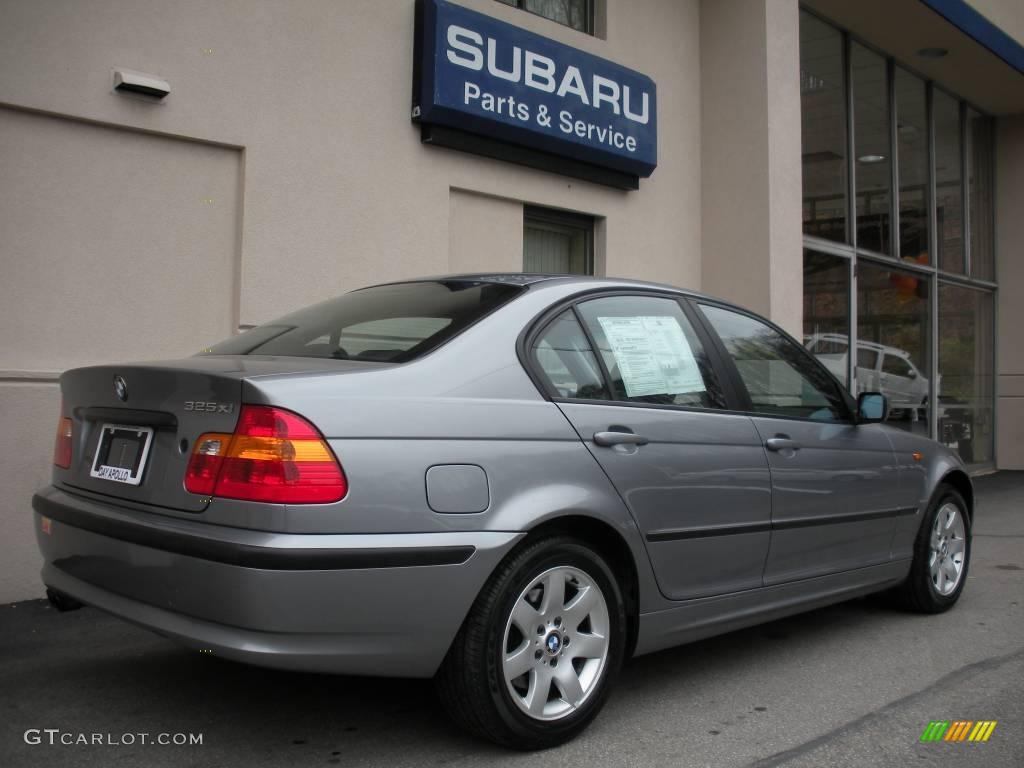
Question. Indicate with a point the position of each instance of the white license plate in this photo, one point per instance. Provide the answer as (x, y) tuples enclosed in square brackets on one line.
[(121, 453)]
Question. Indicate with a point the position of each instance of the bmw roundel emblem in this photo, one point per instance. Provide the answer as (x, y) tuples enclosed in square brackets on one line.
[(120, 388), (554, 643)]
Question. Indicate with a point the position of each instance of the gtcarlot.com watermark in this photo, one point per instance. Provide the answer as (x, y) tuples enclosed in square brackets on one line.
[(55, 737)]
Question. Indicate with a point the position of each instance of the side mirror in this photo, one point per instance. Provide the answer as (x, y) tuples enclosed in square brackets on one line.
[(872, 407)]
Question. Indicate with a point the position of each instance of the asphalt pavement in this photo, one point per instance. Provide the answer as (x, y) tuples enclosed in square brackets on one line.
[(851, 685)]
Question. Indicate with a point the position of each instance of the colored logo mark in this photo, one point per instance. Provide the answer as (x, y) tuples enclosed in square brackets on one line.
[(958, 730)]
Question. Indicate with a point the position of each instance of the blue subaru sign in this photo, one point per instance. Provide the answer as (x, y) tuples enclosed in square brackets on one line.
[(485, 77)]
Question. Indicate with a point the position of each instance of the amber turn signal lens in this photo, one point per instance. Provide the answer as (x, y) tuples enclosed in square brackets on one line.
[(274, 456), (62, 445)]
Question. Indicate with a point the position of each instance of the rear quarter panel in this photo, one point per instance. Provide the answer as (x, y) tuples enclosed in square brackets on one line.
[(469, 402)]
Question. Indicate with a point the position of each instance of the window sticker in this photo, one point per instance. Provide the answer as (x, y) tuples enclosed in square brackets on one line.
[(653, 355)]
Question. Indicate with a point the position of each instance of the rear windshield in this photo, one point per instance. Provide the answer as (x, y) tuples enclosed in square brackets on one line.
[(388, 323)]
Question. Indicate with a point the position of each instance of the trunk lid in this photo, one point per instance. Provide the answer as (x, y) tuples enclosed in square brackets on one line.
[(178, 399)]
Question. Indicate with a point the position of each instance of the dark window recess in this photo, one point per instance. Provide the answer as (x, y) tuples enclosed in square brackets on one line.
[(386, 323), (577, 14), (557, 242)]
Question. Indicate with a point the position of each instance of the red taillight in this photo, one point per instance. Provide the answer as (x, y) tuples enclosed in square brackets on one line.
[(62, 445), (274, 455)]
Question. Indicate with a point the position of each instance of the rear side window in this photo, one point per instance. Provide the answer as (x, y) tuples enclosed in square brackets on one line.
[(651, 352), (896, 366), (564, 355), (387, 323), (867, 358)]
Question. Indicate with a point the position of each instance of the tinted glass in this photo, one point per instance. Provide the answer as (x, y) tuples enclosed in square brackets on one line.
[(892, 313), (827, 311), (780, 377), (823, 128), (966, 352), (872, 148), (897, 366), (949, 213), (651, 352), (980, 190), (390, 323), (867, 358), (912, 135), (568, 363)]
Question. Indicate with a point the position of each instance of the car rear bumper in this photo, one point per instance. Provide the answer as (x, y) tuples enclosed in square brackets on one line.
[(376, 604)]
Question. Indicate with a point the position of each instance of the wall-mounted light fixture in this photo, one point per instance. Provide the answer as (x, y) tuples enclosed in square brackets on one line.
[(137, 82)]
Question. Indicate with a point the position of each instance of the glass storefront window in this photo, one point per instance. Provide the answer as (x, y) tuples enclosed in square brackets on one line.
[(949, 218), (872, 148), (823, 123), (926, 158), (912, 138), (966, 342), (893, 342), (980, 189), (827, 311)]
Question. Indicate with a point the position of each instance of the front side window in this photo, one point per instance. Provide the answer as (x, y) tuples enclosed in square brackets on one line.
[(777, 373), (386, 323), (567, 362), (651, 352)]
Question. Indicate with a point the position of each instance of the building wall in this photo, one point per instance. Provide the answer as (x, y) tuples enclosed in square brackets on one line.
[(1008, 15), (750, 112), (282, 169)]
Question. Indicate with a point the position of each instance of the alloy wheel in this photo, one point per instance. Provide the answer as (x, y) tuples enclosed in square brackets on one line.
[(556, 643), (947, 549)]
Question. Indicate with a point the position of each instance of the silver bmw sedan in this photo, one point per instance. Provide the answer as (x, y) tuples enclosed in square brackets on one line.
[(510, 483)]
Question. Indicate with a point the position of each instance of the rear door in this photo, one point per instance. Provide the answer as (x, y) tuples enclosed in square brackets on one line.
[(650, 407), (834, 483)]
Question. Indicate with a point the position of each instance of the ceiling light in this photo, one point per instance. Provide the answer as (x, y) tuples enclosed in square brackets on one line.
[(933, 53), (869, 159)]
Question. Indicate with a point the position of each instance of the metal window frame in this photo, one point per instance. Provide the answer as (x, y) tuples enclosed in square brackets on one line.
[(932, 272)]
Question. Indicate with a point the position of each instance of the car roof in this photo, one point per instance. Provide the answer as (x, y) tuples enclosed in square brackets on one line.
[(583, 281), (871, 345)]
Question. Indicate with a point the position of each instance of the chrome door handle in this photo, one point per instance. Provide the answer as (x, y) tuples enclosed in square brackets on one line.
[(781, 444), (608, 439)]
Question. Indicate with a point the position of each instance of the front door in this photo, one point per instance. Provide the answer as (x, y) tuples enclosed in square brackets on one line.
[(649, 408), (833, 481)]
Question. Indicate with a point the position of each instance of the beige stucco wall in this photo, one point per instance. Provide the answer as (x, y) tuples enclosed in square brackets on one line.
[(750, 113), (328, 185), (1008, 15), (1010, 300)]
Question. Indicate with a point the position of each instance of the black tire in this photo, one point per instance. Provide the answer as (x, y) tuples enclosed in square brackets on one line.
[(918, 593), (471, 683)]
